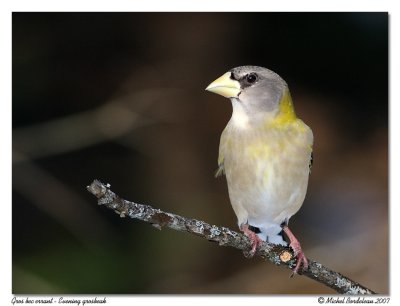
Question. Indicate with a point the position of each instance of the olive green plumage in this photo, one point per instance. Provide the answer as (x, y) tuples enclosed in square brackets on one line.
[(265, 150)]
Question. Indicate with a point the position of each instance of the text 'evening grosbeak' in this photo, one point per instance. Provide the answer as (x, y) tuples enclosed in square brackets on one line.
[(265, 152)]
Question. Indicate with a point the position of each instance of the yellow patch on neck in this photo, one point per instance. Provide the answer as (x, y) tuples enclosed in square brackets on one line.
[(286, 110), (286, 114)]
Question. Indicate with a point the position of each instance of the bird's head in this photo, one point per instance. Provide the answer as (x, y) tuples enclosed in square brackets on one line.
[(256, 93)]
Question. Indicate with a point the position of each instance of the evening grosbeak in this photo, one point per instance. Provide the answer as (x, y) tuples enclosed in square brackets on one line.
[(266, 154)]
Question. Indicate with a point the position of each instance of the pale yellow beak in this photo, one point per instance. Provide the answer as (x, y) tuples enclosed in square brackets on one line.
[(225, 86)]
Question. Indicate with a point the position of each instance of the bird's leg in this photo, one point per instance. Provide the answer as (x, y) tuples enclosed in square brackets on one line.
[(298, 252), (255, 240)]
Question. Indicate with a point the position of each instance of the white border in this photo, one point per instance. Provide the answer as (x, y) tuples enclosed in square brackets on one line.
[(6, 7)]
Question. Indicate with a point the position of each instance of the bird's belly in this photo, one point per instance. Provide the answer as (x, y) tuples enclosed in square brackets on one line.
[(265, 187)]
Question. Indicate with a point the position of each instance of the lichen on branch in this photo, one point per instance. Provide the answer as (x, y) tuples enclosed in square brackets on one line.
[(277, 254)]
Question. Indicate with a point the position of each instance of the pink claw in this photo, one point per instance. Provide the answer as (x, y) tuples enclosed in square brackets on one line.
[(298, 252), (255, 240)]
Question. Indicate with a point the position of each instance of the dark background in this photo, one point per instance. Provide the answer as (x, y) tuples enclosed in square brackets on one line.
[(120, 97)]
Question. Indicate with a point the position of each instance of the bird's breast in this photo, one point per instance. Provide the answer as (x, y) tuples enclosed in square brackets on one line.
[(267, 172)]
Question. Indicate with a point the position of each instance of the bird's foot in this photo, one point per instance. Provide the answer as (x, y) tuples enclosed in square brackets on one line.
[(297, 251), (255, 240)]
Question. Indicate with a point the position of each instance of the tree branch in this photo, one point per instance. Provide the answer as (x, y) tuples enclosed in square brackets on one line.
[(277, 254)]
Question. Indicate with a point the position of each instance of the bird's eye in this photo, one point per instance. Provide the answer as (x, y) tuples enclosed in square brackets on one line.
[(251, 78)]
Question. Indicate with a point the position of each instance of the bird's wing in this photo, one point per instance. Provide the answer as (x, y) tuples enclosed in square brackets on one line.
[(310, 140), (220, 171), (222, 142)]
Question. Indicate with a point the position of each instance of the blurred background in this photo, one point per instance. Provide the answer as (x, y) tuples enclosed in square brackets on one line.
[(120, 97)]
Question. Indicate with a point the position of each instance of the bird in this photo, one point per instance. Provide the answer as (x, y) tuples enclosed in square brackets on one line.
[(265, 152)]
